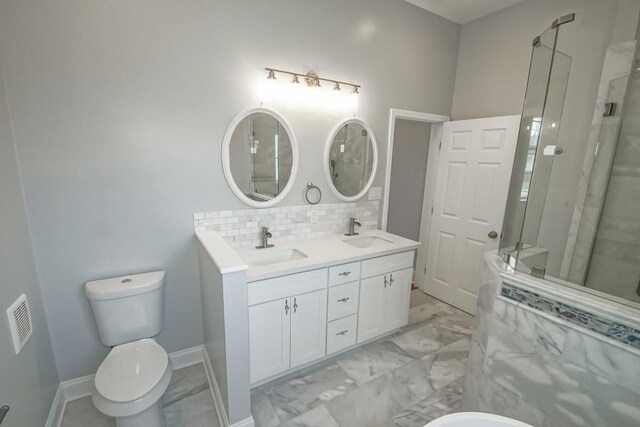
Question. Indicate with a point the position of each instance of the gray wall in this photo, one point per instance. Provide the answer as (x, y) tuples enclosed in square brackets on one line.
[(28, 381), (493, 64), (120, 107), (408, 171)]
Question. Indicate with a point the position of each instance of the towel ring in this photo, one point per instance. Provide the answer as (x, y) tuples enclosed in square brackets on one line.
[(312, 200)]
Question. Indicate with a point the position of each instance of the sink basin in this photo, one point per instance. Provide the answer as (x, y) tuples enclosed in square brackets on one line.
[(367, 242), (273, 256)]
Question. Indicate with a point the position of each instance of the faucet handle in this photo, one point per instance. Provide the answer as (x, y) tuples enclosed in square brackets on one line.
[(265, 229)]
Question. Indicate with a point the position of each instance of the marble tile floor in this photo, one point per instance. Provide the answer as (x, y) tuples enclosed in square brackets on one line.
[(188, 402), (406, 379)]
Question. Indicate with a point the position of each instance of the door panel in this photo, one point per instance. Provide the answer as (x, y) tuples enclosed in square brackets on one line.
[(308, 327), (397, 295), (269, 332), (371, 309), (472, 181)]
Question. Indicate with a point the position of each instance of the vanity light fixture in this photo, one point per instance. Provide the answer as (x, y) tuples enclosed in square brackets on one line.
[(312, 79)]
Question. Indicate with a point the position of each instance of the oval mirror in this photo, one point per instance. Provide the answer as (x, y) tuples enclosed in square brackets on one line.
[(259, 157), (351, 158)]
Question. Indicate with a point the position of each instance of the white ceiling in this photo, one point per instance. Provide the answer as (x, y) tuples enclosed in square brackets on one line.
[(463, 11)]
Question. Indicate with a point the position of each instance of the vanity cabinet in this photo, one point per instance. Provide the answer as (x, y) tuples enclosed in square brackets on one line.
[(385, 290), (287, 322)]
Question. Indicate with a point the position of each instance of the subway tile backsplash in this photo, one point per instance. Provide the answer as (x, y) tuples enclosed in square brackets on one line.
[(241, 228)]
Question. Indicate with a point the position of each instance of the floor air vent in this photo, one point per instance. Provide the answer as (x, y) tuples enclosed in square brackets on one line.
[(20, 322)]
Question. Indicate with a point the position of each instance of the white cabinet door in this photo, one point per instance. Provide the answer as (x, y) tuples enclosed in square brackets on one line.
[(397, 294), (269, 334), (372, 306), (308, 327), (468, 206)]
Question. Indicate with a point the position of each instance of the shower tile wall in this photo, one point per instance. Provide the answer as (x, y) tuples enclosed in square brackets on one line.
[(615, 263), (619, 59), (543, 371)]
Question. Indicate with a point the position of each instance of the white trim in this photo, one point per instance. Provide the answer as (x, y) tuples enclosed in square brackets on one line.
[(215, 390), (407, 115), (217, 396), (226, 163), (78, 388), (327, 153), (57, 409)]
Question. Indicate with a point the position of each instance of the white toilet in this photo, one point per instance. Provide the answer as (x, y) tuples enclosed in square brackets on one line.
[(131, 380)]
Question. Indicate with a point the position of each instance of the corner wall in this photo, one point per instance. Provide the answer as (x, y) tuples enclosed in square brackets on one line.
[(28, 381)]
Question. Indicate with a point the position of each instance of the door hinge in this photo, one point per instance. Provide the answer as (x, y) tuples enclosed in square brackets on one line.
[(440, 146), (425, 270), (431, 210)]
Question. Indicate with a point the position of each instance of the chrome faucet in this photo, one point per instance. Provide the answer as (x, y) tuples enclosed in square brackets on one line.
[(265, 235), (352, 226)]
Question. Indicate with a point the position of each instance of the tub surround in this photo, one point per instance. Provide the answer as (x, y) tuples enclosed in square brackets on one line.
[(533, 358)]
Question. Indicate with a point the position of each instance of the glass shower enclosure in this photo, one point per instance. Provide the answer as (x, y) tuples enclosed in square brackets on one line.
[(575, 229)]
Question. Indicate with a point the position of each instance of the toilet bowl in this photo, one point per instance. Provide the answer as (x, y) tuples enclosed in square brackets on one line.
[(475, 419), (130, 383), (131, 380)]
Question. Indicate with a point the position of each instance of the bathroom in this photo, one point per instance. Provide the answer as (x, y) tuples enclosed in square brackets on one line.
[(119, 122)]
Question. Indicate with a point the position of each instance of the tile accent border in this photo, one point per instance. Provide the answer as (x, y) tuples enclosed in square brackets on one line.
[(241, 228), (596, 323)]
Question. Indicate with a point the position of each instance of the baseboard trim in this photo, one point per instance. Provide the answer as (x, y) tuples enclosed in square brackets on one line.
[(217, 396), (57, 409), (78, 388), (213, 385)]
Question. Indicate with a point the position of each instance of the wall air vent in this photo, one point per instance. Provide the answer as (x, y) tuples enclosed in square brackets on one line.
[(20, 322)]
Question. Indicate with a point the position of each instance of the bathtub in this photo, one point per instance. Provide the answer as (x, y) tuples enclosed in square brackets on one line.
[(475, 419)]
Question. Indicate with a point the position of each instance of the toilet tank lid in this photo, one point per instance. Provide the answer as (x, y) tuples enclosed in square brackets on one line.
[(124, 286)]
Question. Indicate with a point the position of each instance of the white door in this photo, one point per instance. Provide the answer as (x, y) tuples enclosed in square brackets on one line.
[(474, 169), (371, 309), (397, 294), (308, 327), (269, 327)]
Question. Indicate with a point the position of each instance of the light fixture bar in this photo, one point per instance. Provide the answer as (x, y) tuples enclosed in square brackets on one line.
[(271, 71)]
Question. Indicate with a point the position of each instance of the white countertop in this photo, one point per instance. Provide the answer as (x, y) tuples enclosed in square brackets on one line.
[(319, 253)]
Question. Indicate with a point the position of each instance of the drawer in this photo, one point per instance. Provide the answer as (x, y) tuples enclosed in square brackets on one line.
[(341, 333), (343, 300), (286, 286), (344, 273), (387, 264)]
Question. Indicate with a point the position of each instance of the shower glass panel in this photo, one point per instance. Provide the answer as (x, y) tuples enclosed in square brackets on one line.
[(614, 265), (577, 227)]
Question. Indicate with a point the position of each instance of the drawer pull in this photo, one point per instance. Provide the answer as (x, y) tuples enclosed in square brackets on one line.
[(343, 332), (344, 273), (345, 299)]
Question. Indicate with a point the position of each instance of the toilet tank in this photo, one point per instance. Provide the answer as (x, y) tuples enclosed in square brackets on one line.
[(127, 308)]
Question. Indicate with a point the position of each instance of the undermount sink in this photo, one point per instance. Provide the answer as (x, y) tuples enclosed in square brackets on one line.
[(367, 242), (273, 256)]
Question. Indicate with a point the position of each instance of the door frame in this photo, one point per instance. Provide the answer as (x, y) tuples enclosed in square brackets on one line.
[(437, 121)]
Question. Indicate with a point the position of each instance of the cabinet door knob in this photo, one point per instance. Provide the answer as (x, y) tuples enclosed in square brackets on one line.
[(391, 280), (286, 306), (385, 281), (295, 305)]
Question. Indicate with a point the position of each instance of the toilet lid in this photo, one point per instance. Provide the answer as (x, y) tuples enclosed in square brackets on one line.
[(131, 370)]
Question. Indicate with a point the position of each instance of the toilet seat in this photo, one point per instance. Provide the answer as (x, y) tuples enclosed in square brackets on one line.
[(131, 378)]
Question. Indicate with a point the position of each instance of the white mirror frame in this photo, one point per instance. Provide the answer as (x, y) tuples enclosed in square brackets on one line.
[(327, 153), (226, 162)]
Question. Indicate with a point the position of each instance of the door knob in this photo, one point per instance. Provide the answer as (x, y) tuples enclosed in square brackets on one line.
[(493, 234)]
